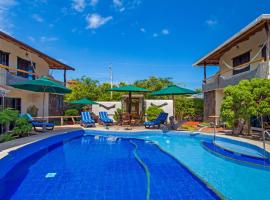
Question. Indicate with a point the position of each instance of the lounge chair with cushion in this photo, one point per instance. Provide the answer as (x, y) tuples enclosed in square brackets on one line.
[(87, 119), (39, 123), (161, 119), (103, 117)]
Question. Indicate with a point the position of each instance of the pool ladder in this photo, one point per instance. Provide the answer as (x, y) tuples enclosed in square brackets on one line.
[(265, 132)]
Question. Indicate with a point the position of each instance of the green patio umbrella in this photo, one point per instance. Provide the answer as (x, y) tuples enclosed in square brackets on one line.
[(83, 101), (173, 90), (129, 89), (42, 84)]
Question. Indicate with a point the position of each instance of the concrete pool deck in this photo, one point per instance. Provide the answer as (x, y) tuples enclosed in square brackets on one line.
[(6, 147)]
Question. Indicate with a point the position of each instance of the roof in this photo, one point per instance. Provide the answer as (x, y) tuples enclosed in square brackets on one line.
[(213, 57), (53, 63)]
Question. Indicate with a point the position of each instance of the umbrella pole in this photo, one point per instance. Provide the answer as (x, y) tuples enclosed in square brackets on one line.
[(129, 107), (173, 105)]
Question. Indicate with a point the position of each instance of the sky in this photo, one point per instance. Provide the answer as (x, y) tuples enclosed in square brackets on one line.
[(137, 38)]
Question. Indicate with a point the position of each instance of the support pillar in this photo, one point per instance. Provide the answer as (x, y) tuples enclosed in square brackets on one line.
[(65, 77)]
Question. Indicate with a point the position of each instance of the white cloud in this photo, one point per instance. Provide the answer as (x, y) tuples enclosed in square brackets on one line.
[(78, 5), (5, 22), (142, 30), (37, 18), (117, 3), (165, 32), (155, 35), (94, 3), (211, 22), (94, 21), (44, 39)]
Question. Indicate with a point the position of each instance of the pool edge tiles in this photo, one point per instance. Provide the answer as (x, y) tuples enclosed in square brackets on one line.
[(260, 163)]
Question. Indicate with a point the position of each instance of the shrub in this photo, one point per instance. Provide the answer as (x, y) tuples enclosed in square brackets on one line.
[(152, 112), (22, 127), (32, 110), (5, 137), (8, 116), (118, 114), (188, 127), (71, 112)]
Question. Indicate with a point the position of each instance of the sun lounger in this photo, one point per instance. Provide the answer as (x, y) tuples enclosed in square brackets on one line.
[(39, 124), (103, 117), (161, 119), (87, 119)]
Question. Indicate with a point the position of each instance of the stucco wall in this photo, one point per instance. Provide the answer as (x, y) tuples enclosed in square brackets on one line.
[(219, 98), (253, 45), (29, 99), (167, 108), (97, 108), (42, 68)]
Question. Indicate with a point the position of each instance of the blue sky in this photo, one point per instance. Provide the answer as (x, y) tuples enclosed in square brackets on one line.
[(139, 38)]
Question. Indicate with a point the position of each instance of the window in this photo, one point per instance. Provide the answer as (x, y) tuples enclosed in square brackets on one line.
[(14, 103), (4, 58), (240, 60), (26, 66)]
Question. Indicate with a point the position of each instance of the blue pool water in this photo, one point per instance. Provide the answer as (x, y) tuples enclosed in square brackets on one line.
[(91, 167), (232, 179)]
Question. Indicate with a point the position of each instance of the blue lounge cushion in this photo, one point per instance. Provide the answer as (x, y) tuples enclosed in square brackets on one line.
[(41, 124), (159, 120), (103, 116), (86, 118)]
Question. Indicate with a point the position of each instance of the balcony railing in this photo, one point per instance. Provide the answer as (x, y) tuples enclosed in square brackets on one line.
[(8, 75), (218, 81)]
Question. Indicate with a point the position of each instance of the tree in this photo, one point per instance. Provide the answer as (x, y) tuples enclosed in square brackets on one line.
[(248, 98), (154, 83)]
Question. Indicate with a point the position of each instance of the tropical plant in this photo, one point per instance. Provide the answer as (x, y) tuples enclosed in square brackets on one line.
[(5, 137), (248, 98), (71, 112), (117, 114), (22, 127), (7, 116), (152, 112), (188, 108)]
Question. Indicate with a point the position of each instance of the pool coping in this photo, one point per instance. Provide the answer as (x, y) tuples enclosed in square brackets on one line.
[(9, 146)]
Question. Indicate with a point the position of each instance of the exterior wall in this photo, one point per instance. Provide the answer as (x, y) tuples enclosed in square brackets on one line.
[(29, 99), (253, 45), (209, 104), (219, 95), (97, 108), (167, 108), (42, 67)]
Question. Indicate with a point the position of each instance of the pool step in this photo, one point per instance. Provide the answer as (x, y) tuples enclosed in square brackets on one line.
[(236, 156)]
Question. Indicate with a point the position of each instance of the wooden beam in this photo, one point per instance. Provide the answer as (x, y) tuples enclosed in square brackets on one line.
[(65, 77), (204, 73)]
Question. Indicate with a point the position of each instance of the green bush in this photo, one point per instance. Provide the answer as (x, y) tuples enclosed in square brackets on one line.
[(22, 127), (7, 116), (189, 128), (117, 114), (5, 137), (152, 112), (71, 112), (188, 108)]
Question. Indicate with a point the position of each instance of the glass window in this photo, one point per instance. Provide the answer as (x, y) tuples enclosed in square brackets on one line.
[(4, 58), (240, 60), (14, 103), (26, 66)]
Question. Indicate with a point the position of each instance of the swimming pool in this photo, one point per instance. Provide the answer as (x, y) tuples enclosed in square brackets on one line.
[(146, 165)]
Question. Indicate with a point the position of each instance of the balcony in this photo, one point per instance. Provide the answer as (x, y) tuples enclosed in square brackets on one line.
[(218, 81)]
